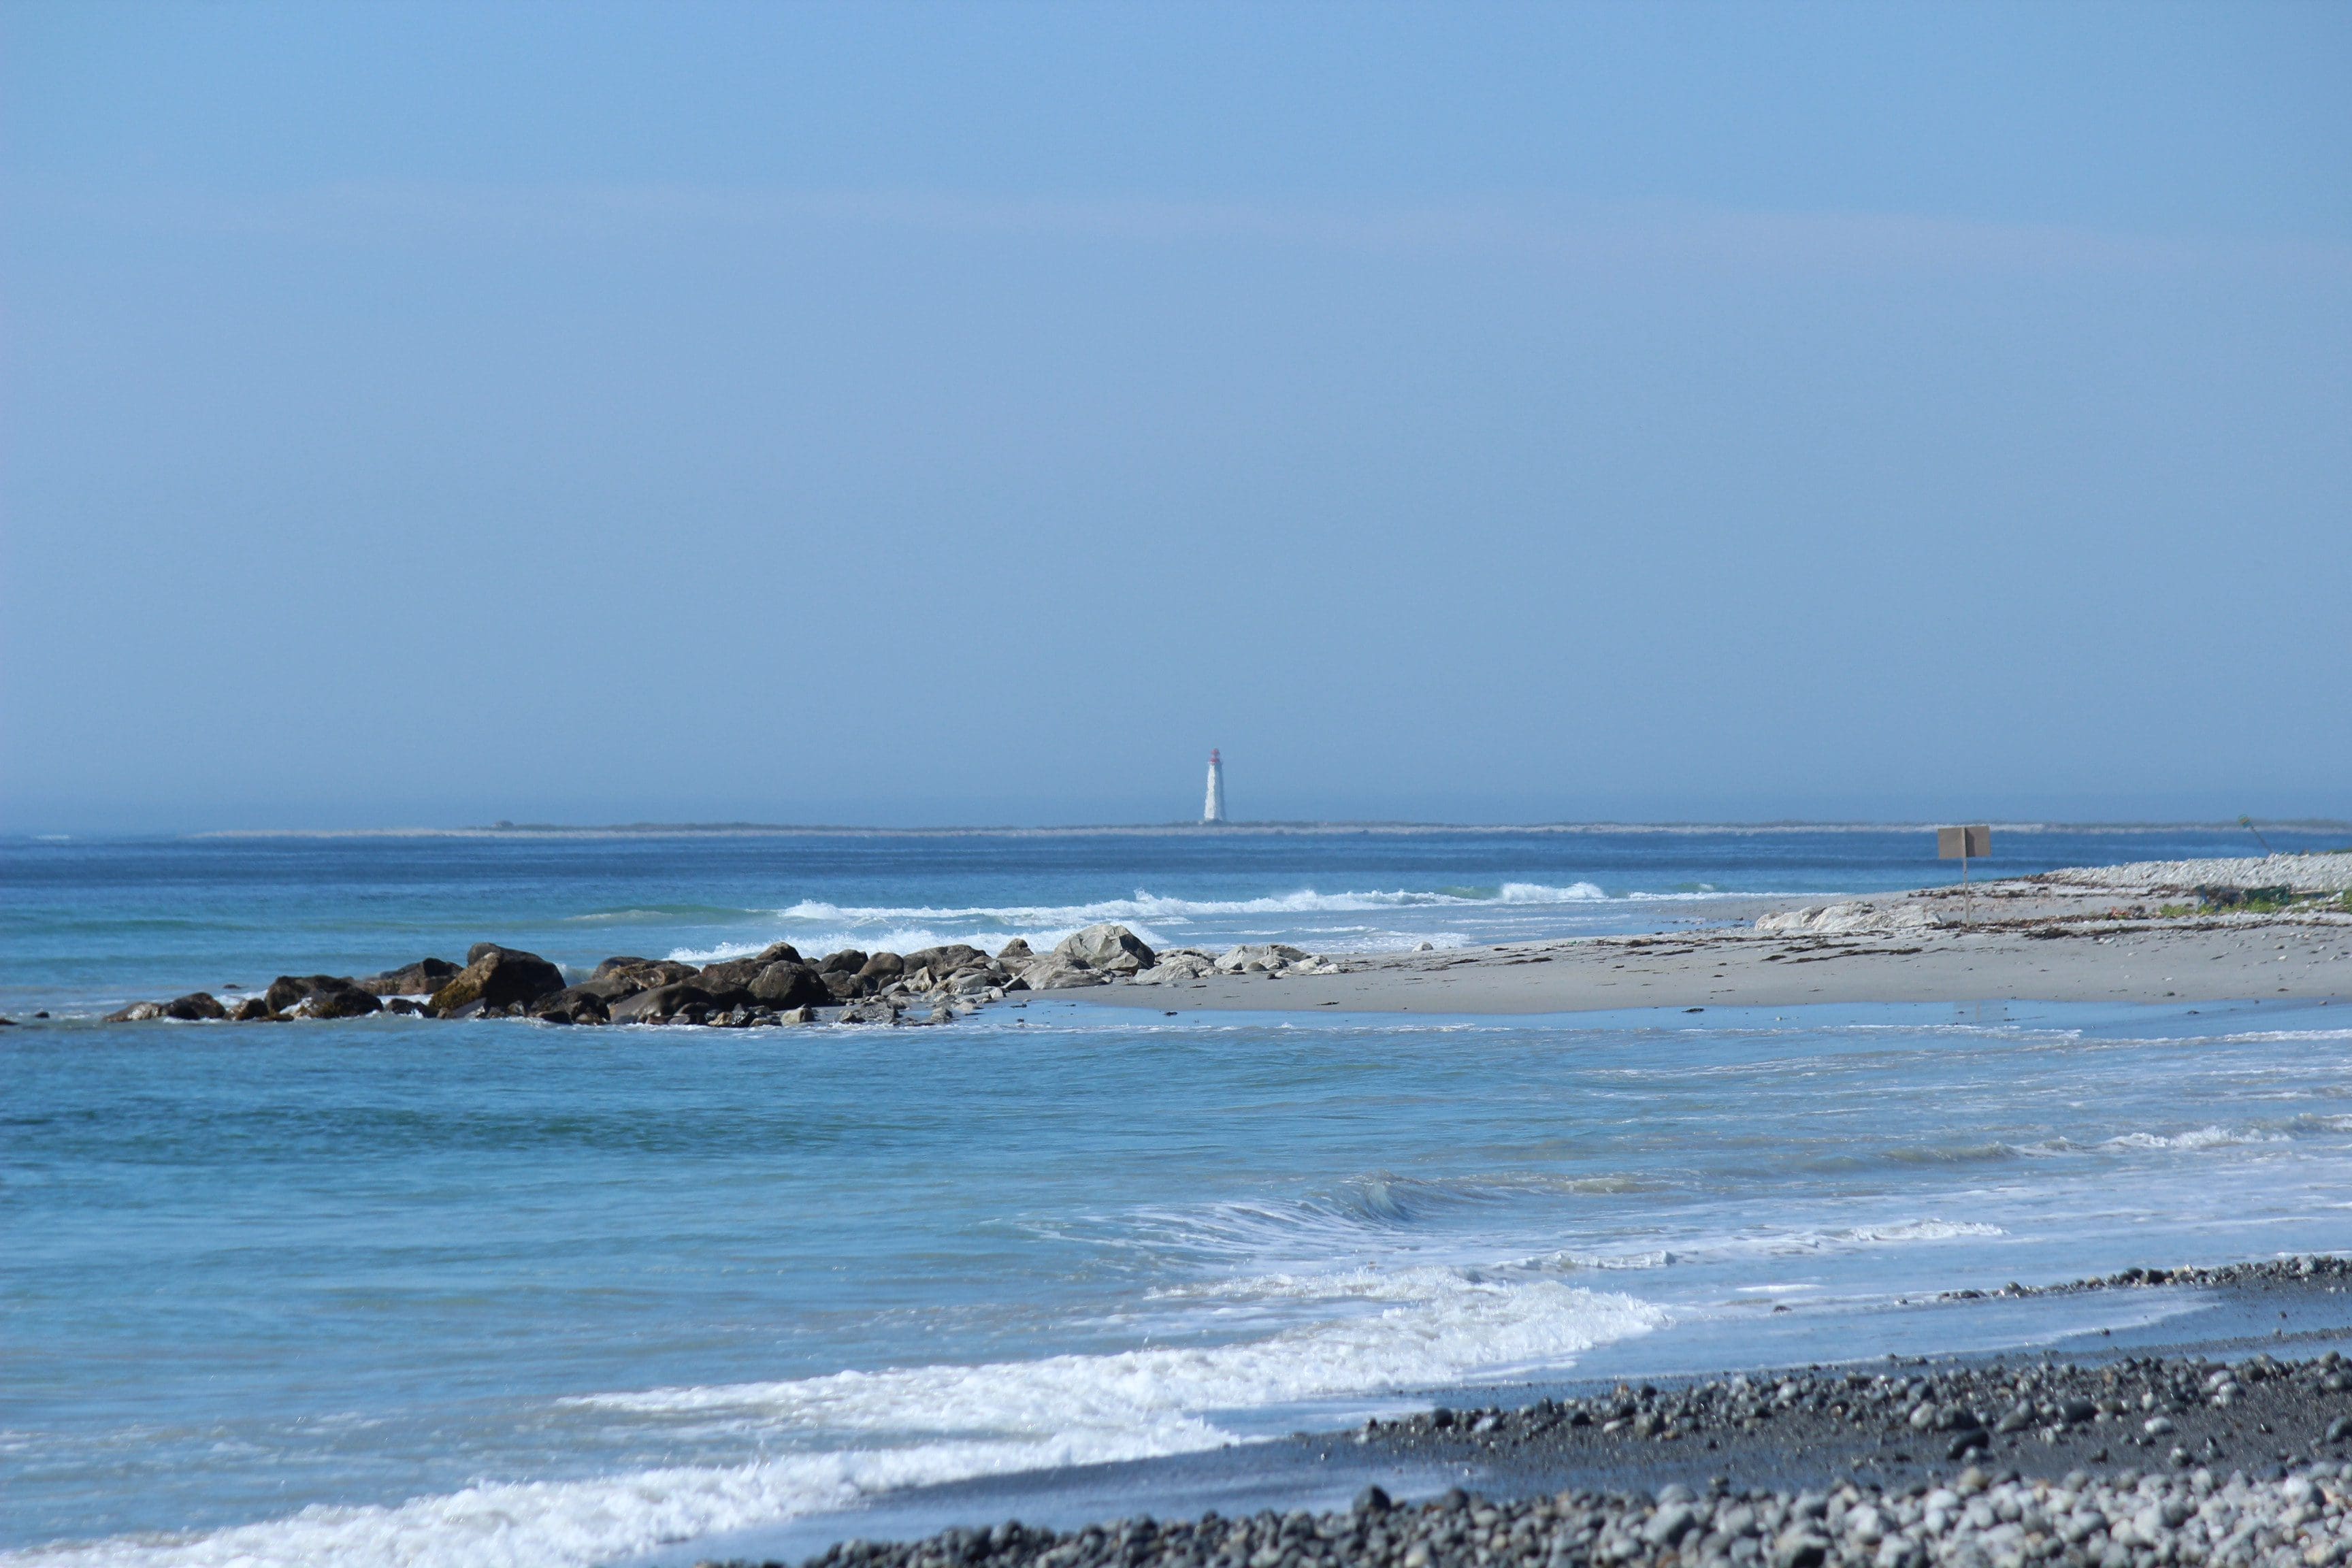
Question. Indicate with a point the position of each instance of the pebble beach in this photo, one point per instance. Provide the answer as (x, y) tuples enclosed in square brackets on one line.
[(2157, 1459)]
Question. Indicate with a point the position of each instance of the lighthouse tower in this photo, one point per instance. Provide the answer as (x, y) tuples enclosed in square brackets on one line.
[(1213, 808)]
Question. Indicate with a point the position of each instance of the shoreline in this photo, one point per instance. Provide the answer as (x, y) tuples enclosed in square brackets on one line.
[(2204, 930), (2243, 1405), (2089, 934)]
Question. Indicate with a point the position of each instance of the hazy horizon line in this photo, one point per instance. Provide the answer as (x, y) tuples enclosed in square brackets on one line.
[(1275, 827)]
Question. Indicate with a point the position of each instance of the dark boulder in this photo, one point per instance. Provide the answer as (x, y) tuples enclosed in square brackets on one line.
[(880, 969), (1014, 952), (337, 1002), (843, 986), (498, 978), (732, 974), (741, 971), (256, 1010), (619, 978), (727, 974), (408, 1006), (195, 1005), (572, 1005), (137, 1013), (945, 960), (288, 989), (848, 961), (788, 984), (661, 1001), (421, 978)]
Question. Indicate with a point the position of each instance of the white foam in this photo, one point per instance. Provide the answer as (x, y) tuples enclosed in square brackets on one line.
[(903, 926), (566, 1524), (1539, 893), (1423, 1325), (912, 1425), (2198, 1138), (1924, 1230)]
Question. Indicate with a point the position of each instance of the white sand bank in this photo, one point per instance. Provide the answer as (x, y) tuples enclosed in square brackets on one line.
[(2093, 934)]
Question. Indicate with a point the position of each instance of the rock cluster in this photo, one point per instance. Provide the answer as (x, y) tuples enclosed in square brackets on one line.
[(1272, 959), (1855, 918), (2177, 1411), (775, 985), (1978, 1521), (2315, 1267)]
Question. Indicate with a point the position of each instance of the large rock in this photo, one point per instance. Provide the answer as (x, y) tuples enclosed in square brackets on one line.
[(1262, 957), (844, 987), (726, 998), (644, 966), (288, 991), (339, 1002), (1111, 949), (137, 1013), (848, 961), (788, 984), (661, 1001), (619, 978), (195, 1005), (498, 977), (421, 978), (1184, 964), (735, 974), (944, 961), (1058, 970), (572, 1005), (881, 968), (1014, 953), (254, 1010)]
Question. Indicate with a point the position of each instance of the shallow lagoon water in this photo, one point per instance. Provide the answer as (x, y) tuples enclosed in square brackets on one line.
[(391, 1290)]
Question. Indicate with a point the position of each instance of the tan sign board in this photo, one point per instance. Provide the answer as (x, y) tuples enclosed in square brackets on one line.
[(1963, 843)]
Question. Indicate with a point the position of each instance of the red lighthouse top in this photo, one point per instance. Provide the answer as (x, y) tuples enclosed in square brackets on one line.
[(1212, 755)]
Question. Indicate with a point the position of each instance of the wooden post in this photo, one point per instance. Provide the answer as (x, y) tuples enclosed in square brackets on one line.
[(1960, 844)]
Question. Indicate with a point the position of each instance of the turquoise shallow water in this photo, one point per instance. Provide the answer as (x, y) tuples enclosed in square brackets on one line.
[(391, 1290)]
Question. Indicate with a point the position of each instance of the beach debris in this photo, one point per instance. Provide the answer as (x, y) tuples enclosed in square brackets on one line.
[(1855, 917)]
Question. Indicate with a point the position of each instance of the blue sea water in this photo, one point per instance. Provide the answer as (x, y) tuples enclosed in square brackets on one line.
[(392, 1290)]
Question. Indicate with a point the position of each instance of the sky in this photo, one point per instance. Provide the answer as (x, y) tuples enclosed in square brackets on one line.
[(422, 416)]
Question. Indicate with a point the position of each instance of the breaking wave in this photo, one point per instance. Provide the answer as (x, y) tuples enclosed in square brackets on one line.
[(1158, 920), (913, 1426), (2198, 1138)]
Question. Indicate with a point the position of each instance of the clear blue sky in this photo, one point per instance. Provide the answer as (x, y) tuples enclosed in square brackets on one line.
[(421, 414)]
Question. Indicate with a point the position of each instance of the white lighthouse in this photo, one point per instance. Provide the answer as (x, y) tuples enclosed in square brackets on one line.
[(1213, 809)]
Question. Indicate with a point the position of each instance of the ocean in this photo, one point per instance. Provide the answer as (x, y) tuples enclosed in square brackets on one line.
[(398, 1291)]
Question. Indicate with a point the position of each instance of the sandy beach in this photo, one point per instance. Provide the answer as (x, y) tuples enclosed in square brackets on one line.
[(2124, 933)]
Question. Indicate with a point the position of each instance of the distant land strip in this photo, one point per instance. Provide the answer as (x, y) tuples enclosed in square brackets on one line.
[(769, 829)]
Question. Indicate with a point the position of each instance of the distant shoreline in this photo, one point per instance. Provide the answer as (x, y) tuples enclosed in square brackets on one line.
[(2155, 932), (1201, 830)]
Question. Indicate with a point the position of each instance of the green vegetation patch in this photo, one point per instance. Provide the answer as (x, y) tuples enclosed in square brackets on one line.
[(2251, 901)]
